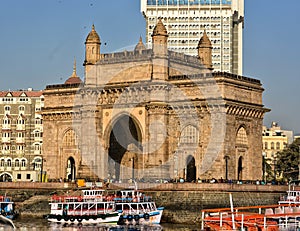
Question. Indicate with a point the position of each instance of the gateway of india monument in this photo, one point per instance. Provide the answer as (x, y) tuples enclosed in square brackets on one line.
[(152, 114)]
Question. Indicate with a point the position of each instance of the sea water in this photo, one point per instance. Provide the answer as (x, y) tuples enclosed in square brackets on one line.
[(31, 224)]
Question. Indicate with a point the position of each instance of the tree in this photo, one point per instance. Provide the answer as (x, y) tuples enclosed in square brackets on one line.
[(288, 161)]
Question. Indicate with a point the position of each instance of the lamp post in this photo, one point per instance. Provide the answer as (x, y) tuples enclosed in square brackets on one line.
[(274, 169), (264, 167), (132, 159), (299, 163), (42, 161)]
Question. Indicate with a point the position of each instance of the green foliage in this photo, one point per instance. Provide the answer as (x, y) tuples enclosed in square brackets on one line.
[(288, 161)]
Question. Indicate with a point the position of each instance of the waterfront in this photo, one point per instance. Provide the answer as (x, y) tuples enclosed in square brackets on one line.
[(29, 224)]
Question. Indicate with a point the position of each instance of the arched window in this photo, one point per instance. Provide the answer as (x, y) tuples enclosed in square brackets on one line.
[(17, 163), (278, 145), (9, 163), (272, 145), (2, 163), (189, 135), (69, 139), (266, 145), (241, 137), (21, 109), (23, 163), (7, 109), (20, 120)]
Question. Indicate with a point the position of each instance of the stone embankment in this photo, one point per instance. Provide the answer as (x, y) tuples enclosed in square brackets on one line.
[(182, 201)]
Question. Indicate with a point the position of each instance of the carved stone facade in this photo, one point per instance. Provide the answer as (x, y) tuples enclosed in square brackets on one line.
[(153, 114)]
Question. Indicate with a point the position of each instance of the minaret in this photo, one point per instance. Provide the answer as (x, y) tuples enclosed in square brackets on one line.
[(205, 51), (160, 51), (92, 49)]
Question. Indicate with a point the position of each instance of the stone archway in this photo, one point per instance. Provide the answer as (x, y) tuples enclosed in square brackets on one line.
[(124, 146), (240, 168), (71, 169), (5, 177), (190, 169)]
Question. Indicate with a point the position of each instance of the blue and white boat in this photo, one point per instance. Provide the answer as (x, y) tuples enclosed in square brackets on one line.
[(7, 207), (137, 208)]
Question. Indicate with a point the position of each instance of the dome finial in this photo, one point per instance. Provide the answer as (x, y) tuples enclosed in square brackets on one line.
[(74, 69), (73, 79)]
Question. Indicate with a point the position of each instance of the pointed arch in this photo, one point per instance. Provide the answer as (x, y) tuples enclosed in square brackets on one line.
[(189, 135), (71, 169), (70, 138), (241, 137), (6, 177), (240, 168), (124, 142), (190, 169)]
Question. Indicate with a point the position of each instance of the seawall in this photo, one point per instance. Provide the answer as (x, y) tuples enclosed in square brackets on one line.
[(182, 201)]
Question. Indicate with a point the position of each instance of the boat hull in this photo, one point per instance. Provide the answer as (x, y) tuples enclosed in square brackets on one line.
[(153, 217), (102, 219)]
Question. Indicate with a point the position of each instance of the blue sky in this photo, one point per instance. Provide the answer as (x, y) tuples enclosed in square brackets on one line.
[(40, 39)]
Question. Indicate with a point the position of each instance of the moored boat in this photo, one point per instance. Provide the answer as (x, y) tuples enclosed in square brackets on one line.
[(89, 208), (7, 207), (137, 208), (277, 217)]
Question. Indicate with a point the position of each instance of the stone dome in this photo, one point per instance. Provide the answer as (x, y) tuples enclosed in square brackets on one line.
[(204, 41), (160, 29), (93, 36), (140, 46)]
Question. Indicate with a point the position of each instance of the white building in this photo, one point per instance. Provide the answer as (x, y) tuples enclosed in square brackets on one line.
[(186, 21), (21, 135)]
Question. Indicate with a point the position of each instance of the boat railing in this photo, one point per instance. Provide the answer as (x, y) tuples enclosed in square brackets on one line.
[(133, 199), (265, 216), (5, 199)]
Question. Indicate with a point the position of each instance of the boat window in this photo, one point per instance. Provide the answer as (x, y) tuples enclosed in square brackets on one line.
[(134, 206), (119, 207), (71, 206), (126, 207), (77, 207), (141, 207), (59, 206), (100, 206)]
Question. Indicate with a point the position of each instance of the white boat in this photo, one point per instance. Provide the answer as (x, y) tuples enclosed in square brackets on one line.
[(292, 197), (137, 208), (88, 208), (7, 221)]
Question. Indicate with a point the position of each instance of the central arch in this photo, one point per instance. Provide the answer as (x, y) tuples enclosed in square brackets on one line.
[(124, 145)]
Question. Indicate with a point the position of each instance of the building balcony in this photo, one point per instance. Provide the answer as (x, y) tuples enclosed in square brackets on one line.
[(20, 140), (20, 127)]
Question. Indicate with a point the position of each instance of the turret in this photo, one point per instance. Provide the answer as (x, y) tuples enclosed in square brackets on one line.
[(205, 51), (92, 49), (160, 52), (160, 39)]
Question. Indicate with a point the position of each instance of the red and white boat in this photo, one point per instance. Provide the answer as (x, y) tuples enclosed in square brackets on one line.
[(89, 208), (279, 217)]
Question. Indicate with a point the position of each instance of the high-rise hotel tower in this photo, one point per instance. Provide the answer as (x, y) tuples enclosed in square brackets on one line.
[(186, 20)]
